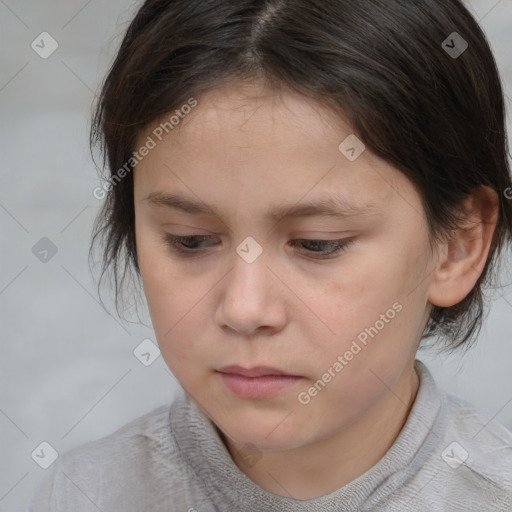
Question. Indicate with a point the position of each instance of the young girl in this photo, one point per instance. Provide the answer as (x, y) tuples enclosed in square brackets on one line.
[(306, 190)]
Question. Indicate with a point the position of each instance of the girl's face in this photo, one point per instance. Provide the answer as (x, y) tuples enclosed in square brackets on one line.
[(257, 289)]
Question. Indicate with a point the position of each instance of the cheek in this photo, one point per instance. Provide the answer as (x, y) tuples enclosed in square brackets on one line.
[(178, 304), (164, 288), (177, 317), (372, 316), (357, 293)]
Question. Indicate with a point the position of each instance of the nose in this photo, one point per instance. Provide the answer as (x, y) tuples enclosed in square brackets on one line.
[(252, 298)]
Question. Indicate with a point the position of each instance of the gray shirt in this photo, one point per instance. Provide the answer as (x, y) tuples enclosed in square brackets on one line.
[(448, 457)]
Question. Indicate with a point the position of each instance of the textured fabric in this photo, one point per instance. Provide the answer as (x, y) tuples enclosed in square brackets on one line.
[(173, 459)]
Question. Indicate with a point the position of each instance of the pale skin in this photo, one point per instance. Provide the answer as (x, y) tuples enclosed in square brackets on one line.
[(242, 151)]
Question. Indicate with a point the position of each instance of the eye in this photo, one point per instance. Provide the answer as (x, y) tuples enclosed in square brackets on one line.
[(185, 244), (191, 245), (322, 248)]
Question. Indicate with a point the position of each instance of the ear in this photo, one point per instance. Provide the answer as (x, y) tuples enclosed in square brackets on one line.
[(463, 257)]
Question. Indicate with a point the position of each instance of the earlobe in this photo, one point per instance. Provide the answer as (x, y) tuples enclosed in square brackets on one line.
[(463, 257)]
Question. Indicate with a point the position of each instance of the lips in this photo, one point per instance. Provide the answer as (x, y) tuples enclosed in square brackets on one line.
[(259, 382), (256, 371)]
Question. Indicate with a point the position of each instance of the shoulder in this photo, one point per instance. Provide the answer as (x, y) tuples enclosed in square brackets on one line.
[(140, 437), (134, 459), (464, 463), (486, 443), (474, 455)]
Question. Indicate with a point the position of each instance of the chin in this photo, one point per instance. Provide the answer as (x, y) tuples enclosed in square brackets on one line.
[(264, 435)]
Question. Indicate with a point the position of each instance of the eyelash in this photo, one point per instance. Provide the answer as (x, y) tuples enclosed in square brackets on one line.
[(176, 245)]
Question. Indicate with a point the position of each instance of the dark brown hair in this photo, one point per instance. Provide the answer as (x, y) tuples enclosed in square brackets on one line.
[(382, 64)]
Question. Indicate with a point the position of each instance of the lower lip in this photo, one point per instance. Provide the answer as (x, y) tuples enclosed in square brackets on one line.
[(258, 387)]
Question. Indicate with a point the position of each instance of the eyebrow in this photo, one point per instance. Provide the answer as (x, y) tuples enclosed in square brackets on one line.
[(330, 206)]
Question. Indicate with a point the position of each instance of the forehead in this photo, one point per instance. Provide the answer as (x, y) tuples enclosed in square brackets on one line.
[(247, 140), (245, 110)]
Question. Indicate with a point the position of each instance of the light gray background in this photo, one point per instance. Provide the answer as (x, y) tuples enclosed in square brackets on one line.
[(68, 374)]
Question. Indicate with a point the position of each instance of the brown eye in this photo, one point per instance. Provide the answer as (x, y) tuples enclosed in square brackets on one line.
[(322, 248), (185, 244)]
